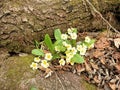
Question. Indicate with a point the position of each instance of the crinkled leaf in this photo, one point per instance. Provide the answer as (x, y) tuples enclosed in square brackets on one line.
[(77, 59), (33, 88), (92, 41), (58, 42), (49, 43), (61, 48), (57, 34), (37, 52), (55, 56)]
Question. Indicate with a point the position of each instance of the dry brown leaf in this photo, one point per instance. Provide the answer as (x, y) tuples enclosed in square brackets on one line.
[(117, 67), (87, 67), (112, 86), (116, 55), (86, 78), (46, 70), (102, 60), (96, 79), (79, 68), (48, 73), (95, 66), (98, 53), (42, 68), (102, 43), (46, 51), (117, 42)]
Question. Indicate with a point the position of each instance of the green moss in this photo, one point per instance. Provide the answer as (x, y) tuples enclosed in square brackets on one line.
[(19, 65), (88, 86), (75, 2), (4, 42), (112, 1), (17, 68)]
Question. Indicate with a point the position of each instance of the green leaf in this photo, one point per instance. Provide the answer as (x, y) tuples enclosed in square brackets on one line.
[(55, 56), (73, 42), (33, 88), (36, 43), (92, 41), (74, 30), (77, 59), (61, 48), (37, 52), (58, 42), (57, 34), (49, 43)]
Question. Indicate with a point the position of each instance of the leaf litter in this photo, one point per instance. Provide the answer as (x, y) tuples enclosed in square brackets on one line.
[(102, 63)]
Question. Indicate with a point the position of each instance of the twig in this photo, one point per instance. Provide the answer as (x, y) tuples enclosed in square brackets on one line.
[(59, 81), (95, 10)]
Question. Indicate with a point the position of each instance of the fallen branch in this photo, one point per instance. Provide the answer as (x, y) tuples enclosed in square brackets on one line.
[(95, 10)]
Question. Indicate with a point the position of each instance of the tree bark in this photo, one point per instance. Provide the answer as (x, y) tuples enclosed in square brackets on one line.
[(23, 21)]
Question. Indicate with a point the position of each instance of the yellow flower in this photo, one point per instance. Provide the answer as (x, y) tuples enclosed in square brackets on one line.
[(56, 48), (64, 43), (83, 51), (48, 56), (87, 39), (44, 64), (73, 50), (64, 36), (84, 46), (62, 62), (79, 47), (91, 46), (37, 59), (69, 30), (68, 46), (72, 63), (73, 35), (71, 53), (34, 65), (67, 52), (68, 59)]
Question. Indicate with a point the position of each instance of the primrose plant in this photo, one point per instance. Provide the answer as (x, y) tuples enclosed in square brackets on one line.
[(65, 49)]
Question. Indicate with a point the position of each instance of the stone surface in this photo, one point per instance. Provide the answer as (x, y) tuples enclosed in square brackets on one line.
[(16, 74)]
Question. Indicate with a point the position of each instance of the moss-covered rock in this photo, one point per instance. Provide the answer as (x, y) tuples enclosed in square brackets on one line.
[(16, 74)]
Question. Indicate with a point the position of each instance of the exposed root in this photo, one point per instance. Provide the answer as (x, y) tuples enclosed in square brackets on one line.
[(96, 11)]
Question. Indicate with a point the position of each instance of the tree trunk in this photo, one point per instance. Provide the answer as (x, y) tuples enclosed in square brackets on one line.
[(22, 21)]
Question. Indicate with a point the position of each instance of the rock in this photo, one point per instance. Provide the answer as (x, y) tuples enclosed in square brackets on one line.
[(16, 74)]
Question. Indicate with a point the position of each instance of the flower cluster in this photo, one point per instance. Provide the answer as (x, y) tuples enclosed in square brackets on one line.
[(70, 51), (71, 34), (65, 49), (44, 62)]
